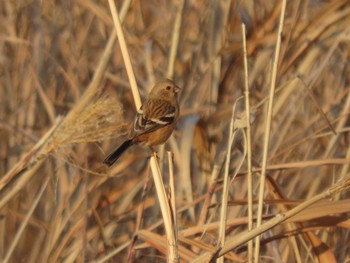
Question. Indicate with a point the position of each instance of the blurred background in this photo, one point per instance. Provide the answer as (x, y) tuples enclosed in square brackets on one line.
[(58, 121)]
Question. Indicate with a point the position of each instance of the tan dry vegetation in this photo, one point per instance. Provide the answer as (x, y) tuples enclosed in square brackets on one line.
[(66, 102)]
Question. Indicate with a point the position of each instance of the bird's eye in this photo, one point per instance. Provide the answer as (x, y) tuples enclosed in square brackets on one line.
[(168, 87)]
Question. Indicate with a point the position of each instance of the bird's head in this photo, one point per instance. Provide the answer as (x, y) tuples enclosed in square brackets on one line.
[(165, 89)]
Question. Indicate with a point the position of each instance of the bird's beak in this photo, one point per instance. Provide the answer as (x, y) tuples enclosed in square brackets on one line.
[(176, 89)]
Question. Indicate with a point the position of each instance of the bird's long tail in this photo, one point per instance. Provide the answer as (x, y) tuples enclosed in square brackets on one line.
[(114, 156)]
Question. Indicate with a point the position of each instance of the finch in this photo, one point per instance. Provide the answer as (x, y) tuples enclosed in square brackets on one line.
[(154, 121)]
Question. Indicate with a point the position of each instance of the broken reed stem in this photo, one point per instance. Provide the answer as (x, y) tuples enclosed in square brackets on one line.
[(165, 209), (268, 128), (125, 54), (249, 146)]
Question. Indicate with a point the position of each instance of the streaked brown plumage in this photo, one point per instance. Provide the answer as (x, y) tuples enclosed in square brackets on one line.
[(155, 120)]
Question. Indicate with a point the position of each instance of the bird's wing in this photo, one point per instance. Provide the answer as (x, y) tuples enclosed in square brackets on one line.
[(153, 115)]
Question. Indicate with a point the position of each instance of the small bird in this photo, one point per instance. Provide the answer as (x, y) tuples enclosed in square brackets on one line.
[(154, 121)]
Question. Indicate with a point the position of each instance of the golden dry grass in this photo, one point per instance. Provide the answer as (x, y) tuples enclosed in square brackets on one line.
[(66, 102)]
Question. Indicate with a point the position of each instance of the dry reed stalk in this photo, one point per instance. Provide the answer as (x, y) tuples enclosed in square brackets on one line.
[(125, 53), (268, 128), (249, 146), (172, 196), (172, 254), (225, 192), (175, 39)]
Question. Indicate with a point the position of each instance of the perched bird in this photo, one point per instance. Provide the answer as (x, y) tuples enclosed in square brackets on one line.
[(155, 120)]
